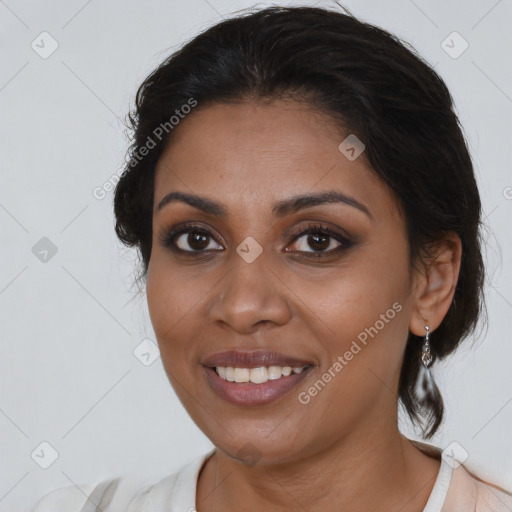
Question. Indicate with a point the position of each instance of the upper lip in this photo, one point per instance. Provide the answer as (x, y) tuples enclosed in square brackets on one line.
[(253, 359)]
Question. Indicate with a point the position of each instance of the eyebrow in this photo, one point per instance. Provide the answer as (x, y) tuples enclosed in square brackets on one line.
[(280, 209)]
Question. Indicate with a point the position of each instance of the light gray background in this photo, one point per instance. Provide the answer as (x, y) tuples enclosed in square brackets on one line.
[(69, 326)]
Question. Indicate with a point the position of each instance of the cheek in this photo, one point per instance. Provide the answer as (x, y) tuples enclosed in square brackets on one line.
[(170, 293), (353, 300), (176, 305), (169, 301), (360, 315)]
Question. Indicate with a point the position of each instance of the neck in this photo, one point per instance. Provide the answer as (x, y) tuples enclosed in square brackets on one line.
[(371, 469)]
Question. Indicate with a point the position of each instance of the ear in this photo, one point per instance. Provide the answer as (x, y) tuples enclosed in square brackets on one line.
[(434, 285)]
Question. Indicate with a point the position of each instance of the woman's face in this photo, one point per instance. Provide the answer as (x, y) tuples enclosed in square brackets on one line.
[(242, 284)]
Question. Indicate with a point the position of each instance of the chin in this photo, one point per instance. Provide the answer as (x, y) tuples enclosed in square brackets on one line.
[(261, 443)]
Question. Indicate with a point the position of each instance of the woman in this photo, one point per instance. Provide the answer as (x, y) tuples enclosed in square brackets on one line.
[(307, 216)]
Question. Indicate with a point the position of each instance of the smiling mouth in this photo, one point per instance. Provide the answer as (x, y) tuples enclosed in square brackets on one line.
[(258, 375), (272, 383), (254, 377)]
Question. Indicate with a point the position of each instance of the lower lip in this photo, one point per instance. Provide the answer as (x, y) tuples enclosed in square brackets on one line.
[(254, 394)]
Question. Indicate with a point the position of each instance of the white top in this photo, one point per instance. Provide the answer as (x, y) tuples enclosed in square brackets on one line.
[(456, 489)]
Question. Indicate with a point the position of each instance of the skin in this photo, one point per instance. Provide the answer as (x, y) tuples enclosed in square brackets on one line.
[(342, 450)]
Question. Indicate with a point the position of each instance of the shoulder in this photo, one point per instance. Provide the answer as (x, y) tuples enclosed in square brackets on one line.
[(126, 493), (467, 489), (73, 498), (490, 496)]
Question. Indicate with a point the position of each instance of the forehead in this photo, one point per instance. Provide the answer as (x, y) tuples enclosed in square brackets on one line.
[(260, 153)]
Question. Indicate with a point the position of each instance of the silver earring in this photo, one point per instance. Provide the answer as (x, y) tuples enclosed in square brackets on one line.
[(424, 389), (426, 355)]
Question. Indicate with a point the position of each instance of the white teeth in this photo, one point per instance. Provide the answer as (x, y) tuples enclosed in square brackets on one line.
[(230, 374), (255, 375), (259, 375), (274, 372), (241, 374)]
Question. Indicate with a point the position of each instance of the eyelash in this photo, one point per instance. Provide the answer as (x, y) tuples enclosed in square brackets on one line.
[(168, 240)]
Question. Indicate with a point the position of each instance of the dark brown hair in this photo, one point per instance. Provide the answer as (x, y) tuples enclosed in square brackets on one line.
[(371, 83)]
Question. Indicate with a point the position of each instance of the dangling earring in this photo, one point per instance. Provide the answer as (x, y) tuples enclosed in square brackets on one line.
[(424, 390), (426, 355)]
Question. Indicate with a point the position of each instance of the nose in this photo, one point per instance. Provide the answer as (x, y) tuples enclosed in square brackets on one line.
[(250, 294)]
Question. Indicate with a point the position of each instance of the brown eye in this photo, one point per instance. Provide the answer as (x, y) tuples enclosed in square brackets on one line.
[(190, 240), (318, 242), (195, 240)]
